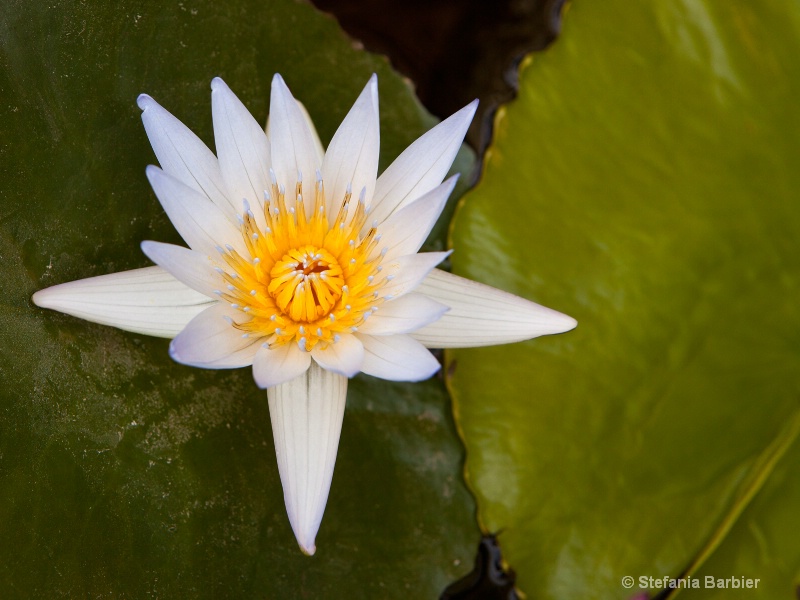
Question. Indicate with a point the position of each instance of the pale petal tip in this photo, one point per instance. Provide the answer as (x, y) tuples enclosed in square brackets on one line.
[(147, 246), (451, 184), (175, 355), (218, 83), (52, 297), (42, 298), (309, 549), (546, 321), (565, 323), (273, 366), (431, 372), (279, 86), (173, 352), (464, 116), (554, 322), (144, 102), (372, 85)]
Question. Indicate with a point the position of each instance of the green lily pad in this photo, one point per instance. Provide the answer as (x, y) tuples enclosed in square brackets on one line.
[(124, 474), (645, 182), (753, 544)]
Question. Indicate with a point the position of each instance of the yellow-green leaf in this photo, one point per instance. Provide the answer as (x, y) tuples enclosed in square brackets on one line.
[(645, 182)]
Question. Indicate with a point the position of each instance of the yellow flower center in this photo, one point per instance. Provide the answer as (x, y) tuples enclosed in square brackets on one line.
[(306, 283), (307, 279)]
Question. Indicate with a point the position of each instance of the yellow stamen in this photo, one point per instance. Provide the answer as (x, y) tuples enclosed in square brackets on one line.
[(306, 280)]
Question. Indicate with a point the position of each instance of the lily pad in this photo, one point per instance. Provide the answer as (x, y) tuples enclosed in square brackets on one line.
[(124, 474), (754, 544), (644, 182)]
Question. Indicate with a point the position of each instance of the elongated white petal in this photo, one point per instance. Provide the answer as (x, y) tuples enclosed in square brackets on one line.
[(352, 156), (320, 149), (422, 166), (320, 155), (201, 224), (211, 341), (343, 357), (292, 144), (148, 301), (192, 268), (183, 155), (242, 148), (306, 415), (402, 274), (481, 315), (406, 230), (404, 315), (273, 366), (397, 358)]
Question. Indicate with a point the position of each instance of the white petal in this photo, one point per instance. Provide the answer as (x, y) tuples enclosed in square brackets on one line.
[(406, 230), (292, 144), (320, 155), (183, 155), (192, 268), (403, 315), (343, 357), (422, 166), (242, 148), (210, 341), (352, 156), (320, 150), (481, 315), (402, 274), (199, 222), (273, 366), (397, 358), (148, 301), (306, 415)]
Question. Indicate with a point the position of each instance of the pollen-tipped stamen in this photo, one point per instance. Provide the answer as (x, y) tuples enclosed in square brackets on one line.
[(303, 277)]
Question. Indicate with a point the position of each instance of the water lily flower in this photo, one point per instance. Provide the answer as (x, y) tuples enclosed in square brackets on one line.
[(303, 264)]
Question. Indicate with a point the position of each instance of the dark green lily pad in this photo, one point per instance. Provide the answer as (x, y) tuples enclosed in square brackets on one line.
[(645, 182), (123, 474)]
